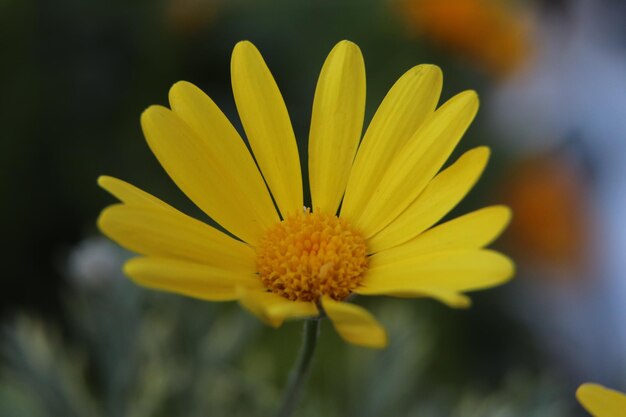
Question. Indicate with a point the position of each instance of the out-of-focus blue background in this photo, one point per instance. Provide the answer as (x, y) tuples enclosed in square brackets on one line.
[(78, 339)]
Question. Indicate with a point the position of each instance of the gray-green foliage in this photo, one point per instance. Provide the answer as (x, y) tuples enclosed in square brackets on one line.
[(131, 352), (128, 353)]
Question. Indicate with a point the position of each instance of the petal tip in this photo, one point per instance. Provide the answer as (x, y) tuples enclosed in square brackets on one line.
[(181, 92), (152, 119), (106, 219), (512, 269), (432, 68), (471, 96), (480, 155), (130, 267), (108, 184), (470, 93), (348, 45), (244, 47), (244, 44), (427, 70), (483, 151), (382, 344), (348, 50), (462, 302), (507, 213), (435, 73), (180, 87), (151, 112), (103, 180), (181, 84), (382, 341), (583, 389), (465, 102), (101, 221), (501, 214)]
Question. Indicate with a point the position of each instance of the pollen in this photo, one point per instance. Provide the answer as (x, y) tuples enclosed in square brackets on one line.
[(308, 255)]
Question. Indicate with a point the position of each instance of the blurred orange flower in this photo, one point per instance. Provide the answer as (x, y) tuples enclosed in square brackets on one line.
[(490, 33), (549, 198)]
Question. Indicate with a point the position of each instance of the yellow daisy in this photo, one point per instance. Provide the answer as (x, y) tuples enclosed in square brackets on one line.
[(600, 401), (369, 230)]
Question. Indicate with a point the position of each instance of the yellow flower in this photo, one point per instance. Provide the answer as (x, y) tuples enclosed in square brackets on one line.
[(285, 261), (600, 401)]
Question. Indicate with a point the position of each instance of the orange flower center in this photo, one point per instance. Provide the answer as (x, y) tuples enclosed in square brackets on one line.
[(308, 255)]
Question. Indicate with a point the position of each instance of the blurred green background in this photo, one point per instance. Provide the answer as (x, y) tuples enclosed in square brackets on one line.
[(78, 339)]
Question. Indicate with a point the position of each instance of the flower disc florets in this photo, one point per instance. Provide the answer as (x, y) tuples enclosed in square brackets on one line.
[(312, 254)]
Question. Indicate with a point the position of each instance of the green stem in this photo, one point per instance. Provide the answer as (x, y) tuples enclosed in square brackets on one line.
[(300, 371)]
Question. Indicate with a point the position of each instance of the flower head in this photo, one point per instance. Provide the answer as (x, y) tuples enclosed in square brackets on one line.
[(600, 401), (370, 228)]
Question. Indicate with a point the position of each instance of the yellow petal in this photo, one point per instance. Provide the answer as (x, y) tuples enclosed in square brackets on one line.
[(471, 231), (191, 279), (456, 271), (355, 324), (450, 298), (441, 195), (601, 401), (201, 174), (418, 162), (129, 194), (273, 309), (169, 233), (267, 125), (336, 125), (239, 178), (411, 99)]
